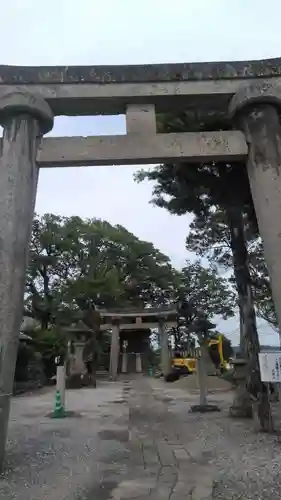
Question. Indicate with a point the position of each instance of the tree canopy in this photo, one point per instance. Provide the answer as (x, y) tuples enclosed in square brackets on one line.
[(205, 290), (73, 261), (77, 265), (210, 237)]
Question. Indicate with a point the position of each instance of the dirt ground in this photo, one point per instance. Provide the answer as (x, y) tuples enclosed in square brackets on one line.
[(214, 384)]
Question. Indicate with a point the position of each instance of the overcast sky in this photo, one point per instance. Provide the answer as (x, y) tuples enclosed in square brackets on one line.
[(71, 32)]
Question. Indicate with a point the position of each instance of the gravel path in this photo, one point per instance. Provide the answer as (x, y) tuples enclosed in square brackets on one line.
[(245, 465), (136, 440), (67, 458)]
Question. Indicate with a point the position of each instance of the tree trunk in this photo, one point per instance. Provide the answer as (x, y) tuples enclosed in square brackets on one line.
[(249, 338)]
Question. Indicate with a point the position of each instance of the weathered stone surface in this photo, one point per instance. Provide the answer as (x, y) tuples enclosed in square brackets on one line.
[(133, 489), (201, 89), (181, 490), (114, 351), (166, 454), (242, 402), (203, 492), (142, 149), (140, 73), (205, 102), (141, 119), (165, 352), (181, 454), (257, 114), (21, 102), (253, 94), (18, 184)]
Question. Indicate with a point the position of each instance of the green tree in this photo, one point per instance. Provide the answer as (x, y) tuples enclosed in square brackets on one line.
[(203, 295), (55, 253), (198, 189), (50, 343), (261, 284), (210, 237), (204, 289), (75, 261), (78, 264)]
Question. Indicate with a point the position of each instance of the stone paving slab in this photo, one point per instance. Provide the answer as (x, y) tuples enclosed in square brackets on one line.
[(167, 462)]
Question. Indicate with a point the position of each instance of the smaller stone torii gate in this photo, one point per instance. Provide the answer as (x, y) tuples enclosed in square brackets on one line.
[(243, 95), (134, 321)]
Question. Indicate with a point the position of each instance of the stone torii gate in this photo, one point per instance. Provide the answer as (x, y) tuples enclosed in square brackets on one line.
[(245, 95), (161, 319)]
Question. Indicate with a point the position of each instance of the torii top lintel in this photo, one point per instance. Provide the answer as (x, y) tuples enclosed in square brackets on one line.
[(25, 75)]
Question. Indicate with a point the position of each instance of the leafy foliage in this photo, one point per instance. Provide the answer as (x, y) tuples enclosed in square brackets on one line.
[(203, 294), (210, 237), (204, 290), (76, 265), (76, 262)]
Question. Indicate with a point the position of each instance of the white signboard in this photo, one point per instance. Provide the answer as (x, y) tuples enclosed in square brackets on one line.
[(270, 366)]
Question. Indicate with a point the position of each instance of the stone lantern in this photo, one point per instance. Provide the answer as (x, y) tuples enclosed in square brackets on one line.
[(242, 403)]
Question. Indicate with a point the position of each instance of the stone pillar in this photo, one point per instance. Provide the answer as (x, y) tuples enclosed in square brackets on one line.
[(255, 109), (78, 365), (165, 353), (141, 119), (124, 367), (25, 118), (114, 351), (138, 363)]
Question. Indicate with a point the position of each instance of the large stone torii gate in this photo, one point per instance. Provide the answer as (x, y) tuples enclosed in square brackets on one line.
[(246, 95)]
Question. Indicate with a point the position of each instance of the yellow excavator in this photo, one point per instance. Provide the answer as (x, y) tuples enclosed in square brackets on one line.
[(185, 363)]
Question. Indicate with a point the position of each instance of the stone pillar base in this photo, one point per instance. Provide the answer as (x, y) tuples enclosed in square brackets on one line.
[(138, 363), (241, 409), (124, 366)]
